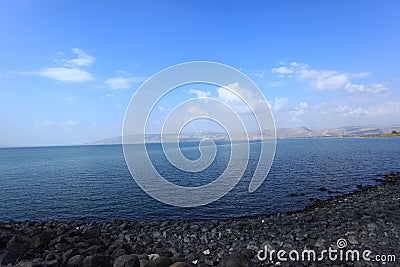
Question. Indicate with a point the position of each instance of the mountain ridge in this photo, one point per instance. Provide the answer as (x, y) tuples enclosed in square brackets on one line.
[(282, 133)]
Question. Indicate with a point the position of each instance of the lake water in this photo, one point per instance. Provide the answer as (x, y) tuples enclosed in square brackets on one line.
[(94, 182)]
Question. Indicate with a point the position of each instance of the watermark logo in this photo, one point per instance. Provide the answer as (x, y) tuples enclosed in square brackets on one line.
[(236, 87), (339, 253), (341, 243)]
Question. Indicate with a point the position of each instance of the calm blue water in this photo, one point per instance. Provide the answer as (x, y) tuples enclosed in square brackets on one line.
[(93, 181)]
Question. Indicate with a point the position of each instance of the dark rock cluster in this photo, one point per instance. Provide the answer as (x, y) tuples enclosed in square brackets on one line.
[(368, 219)]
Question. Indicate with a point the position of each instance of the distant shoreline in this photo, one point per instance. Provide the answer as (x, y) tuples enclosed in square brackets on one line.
[(396, 134), (255, 140)]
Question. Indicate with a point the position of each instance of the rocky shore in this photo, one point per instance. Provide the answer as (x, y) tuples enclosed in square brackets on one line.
[(367, 221)]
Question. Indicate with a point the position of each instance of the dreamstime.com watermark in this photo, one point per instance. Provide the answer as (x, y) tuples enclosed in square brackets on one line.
[(340, 253), (237, 88)]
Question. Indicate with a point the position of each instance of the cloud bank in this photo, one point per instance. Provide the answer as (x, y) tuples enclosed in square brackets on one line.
[(71, 69), (329, 80)]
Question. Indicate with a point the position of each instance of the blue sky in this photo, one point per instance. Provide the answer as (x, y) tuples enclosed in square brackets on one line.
[(68, 69)]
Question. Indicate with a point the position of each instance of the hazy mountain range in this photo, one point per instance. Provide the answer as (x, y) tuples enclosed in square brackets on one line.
[(299, 132)]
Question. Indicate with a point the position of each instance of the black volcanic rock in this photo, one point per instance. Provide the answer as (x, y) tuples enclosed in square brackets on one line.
[(237, 260), (127, 261), (16, 248), (97, 261), (75, 261), (367, 219)]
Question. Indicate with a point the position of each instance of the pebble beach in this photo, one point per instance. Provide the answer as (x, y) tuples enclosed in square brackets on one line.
[(367, 220)]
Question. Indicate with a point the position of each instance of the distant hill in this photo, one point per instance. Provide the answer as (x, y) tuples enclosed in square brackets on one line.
[(299, 132)]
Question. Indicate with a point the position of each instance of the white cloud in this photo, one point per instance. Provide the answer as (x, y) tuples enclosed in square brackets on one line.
[(359, 75), (378, 88), (334, 114), (235, 102), (119, 82), (388, 108), (107, 95), (300, 109), (70, 69), (303, 105), (283, 70), (231, 93), (338, 114), (280, 104), (123, 82), (283, 105), (258, 73), (200, 93), (276, 84), (227, 95), (329, 80), (43, 123), (66, 74), (294, 64), (81, 60), (197, 110), (288, 113), (69, 123), (332, 82)]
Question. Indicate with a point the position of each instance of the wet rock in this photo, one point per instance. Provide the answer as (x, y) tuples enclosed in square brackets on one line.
[(42, 239), (78, 238), (117, 252), (236, 260), (95, 249), (92, 232), (181, 264), (97, 261), (192, 256), (16, 248), (95, 241), (163, 252), (69, 254), (143, 262), (159, 262), (128, 248), (353, 240), (5, 236), (50, 257), (25, 263), (75, 261), (127, 261), (53, 263), (61, 247), (308, 218)]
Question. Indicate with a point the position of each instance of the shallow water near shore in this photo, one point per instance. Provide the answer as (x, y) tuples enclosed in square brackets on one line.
[(67, 183)]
